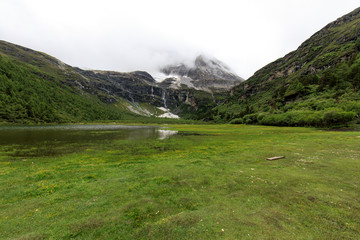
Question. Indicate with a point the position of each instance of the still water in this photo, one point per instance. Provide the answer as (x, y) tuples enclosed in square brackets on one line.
[(36, 141)]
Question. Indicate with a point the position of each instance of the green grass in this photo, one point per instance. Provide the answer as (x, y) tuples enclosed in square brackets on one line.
[(207, 182)]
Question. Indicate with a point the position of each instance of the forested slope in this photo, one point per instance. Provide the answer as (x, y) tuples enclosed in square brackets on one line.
[(28, 94)]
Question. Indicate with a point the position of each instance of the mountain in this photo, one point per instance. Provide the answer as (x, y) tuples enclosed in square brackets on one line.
[(315, 85), (208, 74), (36, 87)]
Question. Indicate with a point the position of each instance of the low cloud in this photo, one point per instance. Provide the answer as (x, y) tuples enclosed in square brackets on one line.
[(145, 35)]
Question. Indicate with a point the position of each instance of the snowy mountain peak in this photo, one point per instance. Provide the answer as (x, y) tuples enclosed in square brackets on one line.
[(203, 61), (207, 73)]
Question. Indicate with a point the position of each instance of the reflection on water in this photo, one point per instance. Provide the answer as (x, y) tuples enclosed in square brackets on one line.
[(165, 134), (55, 140)]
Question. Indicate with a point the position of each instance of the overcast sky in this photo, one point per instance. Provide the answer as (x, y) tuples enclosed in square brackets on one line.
[(146, 34)]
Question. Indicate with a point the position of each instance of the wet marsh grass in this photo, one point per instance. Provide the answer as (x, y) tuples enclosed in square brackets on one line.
[(208, 182)]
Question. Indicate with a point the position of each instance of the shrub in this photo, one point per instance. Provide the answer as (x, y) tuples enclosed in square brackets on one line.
[(237, 121), (351, 106), (327, 118), (295, 89), (338, 117), (250, 118)]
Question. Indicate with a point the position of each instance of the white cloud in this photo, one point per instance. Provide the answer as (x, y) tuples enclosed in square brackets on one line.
[(140, 34)]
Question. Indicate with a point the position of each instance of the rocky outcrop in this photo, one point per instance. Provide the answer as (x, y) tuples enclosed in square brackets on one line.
[(134, 86), (137, 87)]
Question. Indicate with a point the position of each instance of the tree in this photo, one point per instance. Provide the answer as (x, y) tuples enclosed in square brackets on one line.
[(355, 78), (357, 44), (295, 89)]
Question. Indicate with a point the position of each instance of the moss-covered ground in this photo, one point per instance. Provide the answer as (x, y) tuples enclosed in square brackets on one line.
[(207, 182)]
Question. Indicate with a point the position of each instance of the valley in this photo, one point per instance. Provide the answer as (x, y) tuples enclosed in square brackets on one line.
[(95, 154), (206, 182)]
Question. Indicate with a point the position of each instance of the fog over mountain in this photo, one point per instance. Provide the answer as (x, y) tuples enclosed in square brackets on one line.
[(205, 73), (146, 35)]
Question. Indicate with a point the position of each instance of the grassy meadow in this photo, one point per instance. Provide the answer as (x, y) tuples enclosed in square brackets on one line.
[(206, 182)]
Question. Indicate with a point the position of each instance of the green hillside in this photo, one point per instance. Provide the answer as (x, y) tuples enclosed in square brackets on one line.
[(28, 94), (316, 85)]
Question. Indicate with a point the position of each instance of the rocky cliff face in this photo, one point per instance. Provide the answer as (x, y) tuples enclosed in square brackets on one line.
[(109, 85), (208, 74), (138, 87)]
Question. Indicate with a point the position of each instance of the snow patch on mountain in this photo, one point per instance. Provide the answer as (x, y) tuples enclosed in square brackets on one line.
[(167, 113), (205, 73)]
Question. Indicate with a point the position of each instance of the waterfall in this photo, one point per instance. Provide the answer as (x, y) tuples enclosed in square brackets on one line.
[(163, 97), (152, 92), (132, 99), (212, 95)]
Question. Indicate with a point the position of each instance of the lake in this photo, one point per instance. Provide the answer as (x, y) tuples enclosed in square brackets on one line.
[(37, 141)]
